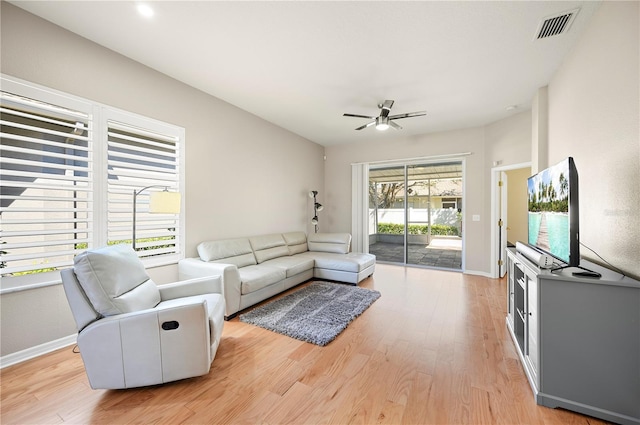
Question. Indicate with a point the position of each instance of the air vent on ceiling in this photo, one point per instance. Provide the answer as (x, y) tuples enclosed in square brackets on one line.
[(557, 24)]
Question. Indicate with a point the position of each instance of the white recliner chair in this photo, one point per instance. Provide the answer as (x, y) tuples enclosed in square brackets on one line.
[(132, 333)]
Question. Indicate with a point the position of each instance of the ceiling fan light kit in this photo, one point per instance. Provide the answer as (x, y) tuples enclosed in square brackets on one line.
[(384, 120), (382, 123)]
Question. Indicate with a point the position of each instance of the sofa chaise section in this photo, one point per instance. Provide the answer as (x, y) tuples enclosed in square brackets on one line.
[(333, 261), (259, 267)]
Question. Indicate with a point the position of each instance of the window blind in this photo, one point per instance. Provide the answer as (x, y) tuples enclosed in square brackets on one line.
[(68, 170), (46, 170), (139, 157)]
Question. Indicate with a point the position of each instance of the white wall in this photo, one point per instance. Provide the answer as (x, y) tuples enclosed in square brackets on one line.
[(244, 176), (507, 140), (594, 116)]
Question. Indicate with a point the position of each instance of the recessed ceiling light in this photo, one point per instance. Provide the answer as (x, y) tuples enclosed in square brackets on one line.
[(145, 10), (511, 107)]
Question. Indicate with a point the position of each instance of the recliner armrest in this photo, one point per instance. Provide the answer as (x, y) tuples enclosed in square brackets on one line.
[(189, 268), (190, 287)]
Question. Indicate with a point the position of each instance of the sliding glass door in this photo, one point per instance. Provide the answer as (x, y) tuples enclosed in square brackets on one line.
[(386, 199), (416, 214)]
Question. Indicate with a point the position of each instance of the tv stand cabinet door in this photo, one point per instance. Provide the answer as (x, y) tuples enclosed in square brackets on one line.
[(590, 348), (532, 327), (510, 288)]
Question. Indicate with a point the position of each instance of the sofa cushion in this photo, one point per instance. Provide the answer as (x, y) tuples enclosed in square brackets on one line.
[(292, 265), (353, 262), (228, 251), (329, 242), (115, 281), (296, 242), (254, 278), (266, 247)]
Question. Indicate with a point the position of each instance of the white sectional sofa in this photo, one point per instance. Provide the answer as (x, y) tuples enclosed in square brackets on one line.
[(256, 268)]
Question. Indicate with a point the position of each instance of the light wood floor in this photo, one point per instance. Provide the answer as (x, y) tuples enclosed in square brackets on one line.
[(433, 349)]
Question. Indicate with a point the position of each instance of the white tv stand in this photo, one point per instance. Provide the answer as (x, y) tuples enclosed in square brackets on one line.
[(578, 338)]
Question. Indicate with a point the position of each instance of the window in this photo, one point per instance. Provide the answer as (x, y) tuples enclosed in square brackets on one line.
[(449, 203), (68, 169), (46, 184), (139, 157)]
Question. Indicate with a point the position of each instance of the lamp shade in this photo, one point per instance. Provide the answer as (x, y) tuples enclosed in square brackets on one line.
[(164, 202)]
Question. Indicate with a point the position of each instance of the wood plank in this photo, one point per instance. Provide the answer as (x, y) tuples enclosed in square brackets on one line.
[(432, 349)]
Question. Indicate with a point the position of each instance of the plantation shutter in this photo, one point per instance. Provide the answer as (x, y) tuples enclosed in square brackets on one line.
[(68, 170), (46, 179), (142, 153)]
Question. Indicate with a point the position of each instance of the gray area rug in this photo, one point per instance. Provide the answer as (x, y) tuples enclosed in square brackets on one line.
[(316, 313)]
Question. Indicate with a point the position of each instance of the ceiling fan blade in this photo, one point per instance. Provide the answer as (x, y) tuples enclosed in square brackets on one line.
[(394, 125), (359, 116), (385, 108), (384, 118), (408, 115), (369, 124)]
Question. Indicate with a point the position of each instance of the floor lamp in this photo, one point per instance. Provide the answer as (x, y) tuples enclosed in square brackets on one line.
[(316, 207), (164, 202)]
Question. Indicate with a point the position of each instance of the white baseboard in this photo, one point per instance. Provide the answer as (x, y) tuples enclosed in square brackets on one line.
[(38, 350), (478, 273)]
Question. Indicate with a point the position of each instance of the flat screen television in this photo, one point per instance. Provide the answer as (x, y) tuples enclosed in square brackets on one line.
[(553, 212)]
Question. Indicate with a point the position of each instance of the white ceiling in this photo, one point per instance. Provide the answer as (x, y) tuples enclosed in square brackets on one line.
[(301, 64)]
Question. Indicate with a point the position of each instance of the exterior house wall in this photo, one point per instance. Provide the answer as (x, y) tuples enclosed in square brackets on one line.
[(423, 201), (445, 216)]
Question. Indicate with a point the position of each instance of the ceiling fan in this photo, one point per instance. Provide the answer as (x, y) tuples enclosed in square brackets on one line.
[(384, 120)]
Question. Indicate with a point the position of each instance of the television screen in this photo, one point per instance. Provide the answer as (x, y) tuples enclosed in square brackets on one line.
[(553, 212)]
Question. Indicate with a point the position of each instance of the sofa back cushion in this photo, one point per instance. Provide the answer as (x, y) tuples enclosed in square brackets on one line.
[(329, 242), (267, 247), (229, 251), (296, 242), (115, 281)]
